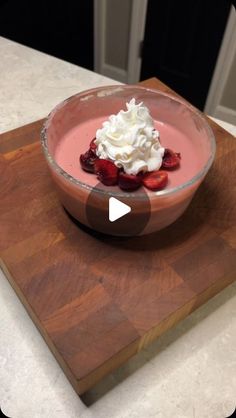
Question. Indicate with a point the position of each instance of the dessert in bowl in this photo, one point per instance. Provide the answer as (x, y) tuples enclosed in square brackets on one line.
[(152, 153)]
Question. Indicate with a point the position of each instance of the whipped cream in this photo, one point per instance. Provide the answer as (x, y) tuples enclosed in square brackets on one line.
[(130, 140)]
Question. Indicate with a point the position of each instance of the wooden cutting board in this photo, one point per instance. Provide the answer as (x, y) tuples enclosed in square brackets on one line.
[(99, 300)]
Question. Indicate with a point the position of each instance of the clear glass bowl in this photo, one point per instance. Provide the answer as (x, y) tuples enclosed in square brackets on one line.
[(172, 115)]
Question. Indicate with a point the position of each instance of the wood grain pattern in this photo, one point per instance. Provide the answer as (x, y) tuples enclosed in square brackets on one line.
[(93, 310)]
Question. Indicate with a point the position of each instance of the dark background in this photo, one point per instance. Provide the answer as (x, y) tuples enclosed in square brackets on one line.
[(60, 28), (181, 45), (182, 42)]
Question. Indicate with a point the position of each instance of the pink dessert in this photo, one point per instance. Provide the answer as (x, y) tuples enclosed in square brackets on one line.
[(70, 148), (73, 124)]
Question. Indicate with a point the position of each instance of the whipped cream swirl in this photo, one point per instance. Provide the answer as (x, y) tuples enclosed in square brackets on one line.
[(130, 140)]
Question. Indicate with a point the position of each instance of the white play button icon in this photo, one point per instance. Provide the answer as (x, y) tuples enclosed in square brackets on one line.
[(116, 214), (117, 209)]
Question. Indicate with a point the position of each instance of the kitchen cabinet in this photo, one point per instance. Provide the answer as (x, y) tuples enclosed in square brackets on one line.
[(182, 42)]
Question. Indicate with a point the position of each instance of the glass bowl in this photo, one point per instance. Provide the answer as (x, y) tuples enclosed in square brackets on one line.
[(182, 128)]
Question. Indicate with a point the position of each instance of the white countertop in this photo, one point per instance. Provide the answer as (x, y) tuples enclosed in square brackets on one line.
[(188, 373)]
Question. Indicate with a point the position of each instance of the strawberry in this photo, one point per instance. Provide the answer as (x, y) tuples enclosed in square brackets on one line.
[(129, 182), (155, 180), (87, 160), (171, 159), (106, 172), (92, 145)]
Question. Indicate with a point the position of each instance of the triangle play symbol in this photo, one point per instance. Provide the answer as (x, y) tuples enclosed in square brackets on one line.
[(117, 209)]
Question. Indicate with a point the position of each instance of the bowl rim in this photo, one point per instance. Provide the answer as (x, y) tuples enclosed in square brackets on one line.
[(108, 90)]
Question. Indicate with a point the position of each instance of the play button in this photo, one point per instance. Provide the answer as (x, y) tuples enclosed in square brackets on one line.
[(117, 209), (112, 211)]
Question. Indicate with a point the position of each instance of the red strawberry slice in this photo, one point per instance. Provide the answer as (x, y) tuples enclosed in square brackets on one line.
[(87, 160), (171, 159), (106, 172), (129, 182), (155, 180), (92, 145)]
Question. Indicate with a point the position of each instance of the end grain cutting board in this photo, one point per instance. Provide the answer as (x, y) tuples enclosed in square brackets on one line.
[(99, 300)]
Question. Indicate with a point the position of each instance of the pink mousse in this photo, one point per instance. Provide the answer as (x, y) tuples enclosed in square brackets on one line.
[(76, 142), (73, 124)]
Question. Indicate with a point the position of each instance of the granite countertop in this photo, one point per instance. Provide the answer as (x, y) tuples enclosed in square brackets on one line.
[(187, 373)]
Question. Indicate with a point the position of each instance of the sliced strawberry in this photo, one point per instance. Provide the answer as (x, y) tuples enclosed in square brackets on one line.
[(171, 159), (129, 182), (106, 172), (87, 160), (92, 145), (155, 180)]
